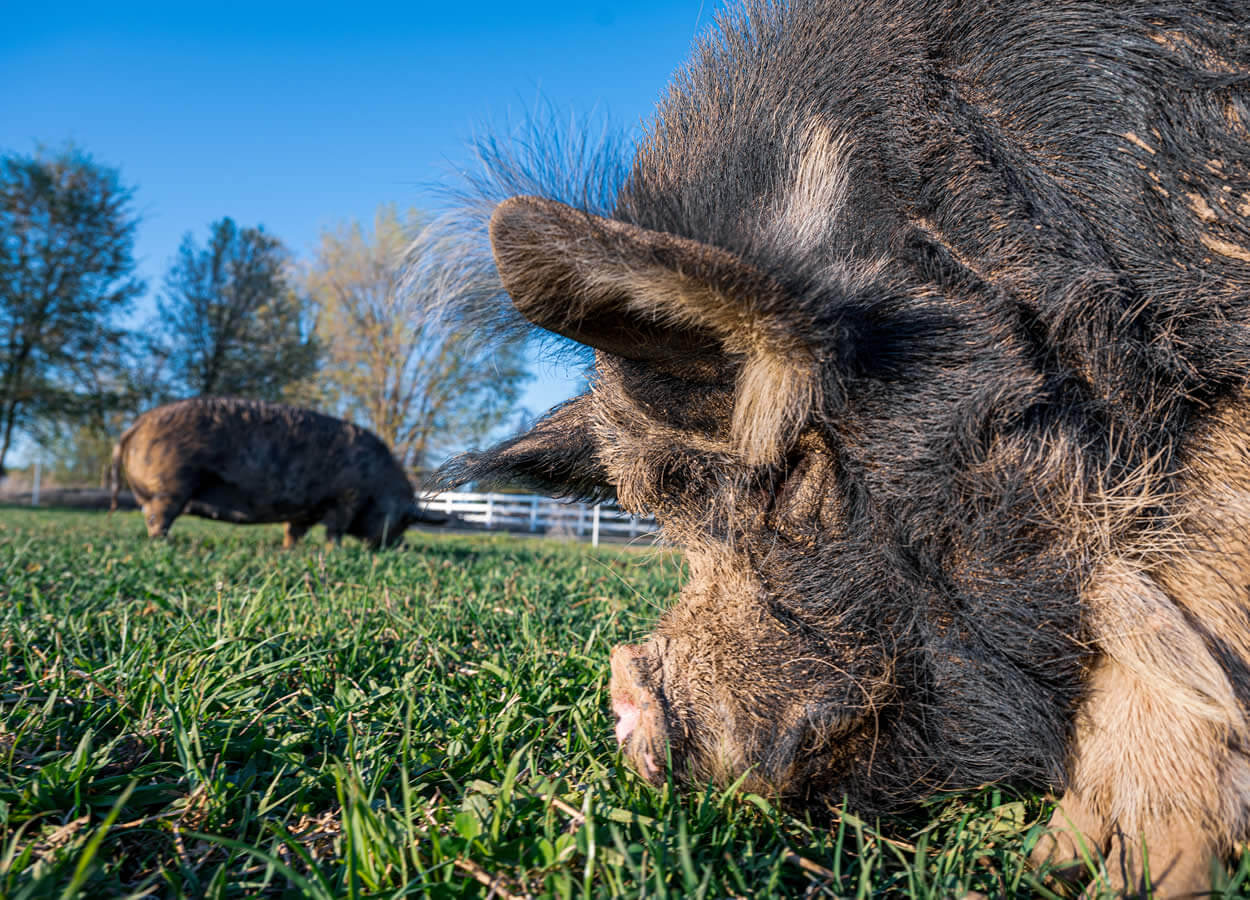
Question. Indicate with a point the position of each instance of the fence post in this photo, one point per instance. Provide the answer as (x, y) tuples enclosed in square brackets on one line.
[(490, 510), (447, 502), (594, 530), (633, 527), (34, 492), (533, 512)]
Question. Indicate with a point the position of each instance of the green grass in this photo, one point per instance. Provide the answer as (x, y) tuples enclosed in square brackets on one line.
[(211, 716)]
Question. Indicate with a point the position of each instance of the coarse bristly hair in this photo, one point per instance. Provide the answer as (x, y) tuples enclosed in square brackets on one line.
[(923, 328), (579, 160)]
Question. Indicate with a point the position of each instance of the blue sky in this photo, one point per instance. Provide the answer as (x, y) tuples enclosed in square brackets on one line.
[(301, 116)]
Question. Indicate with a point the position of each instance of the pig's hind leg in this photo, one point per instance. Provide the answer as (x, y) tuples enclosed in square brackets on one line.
[(293, 530)]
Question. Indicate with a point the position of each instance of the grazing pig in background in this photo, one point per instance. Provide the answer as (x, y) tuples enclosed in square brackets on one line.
[(924, 328), (249, 462)]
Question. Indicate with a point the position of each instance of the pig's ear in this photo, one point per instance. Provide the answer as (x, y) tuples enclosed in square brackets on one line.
[(650, 296), (555, 457)]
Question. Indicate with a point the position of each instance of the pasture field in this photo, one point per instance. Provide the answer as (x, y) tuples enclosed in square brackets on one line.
[(212, 716)]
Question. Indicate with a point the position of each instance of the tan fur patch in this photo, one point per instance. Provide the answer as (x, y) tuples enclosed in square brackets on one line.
[(1155, 743), (775, 396), (1201, 208), (805, 213), (1212, 580), (1226, 248), (1151, 742), (1134, 139)]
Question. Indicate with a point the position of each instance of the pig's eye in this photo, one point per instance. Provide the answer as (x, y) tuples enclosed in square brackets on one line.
[(806, 495)]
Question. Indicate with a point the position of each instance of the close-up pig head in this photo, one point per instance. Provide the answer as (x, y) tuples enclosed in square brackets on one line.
[(874, 605), (921, 331)]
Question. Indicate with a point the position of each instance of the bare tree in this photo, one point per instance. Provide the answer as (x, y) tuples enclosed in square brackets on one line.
[(231, 320), (66, 263), (398, 357)]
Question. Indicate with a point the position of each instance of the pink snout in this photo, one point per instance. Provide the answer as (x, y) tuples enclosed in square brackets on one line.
[(634, 708), (627, 718), (625, 691)]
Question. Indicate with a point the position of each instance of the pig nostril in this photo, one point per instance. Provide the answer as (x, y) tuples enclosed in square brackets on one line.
[(627, 718)]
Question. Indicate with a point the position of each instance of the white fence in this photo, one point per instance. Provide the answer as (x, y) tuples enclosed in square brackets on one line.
[(532, 513)]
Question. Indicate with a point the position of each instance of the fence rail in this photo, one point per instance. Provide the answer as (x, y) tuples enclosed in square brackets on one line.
[(542, 515)]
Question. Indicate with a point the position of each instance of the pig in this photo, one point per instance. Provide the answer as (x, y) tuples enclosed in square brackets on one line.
[(248, 461), (924, 329)]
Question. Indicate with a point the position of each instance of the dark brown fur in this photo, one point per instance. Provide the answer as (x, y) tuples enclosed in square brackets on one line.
[(924, 328), (246, 461)]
